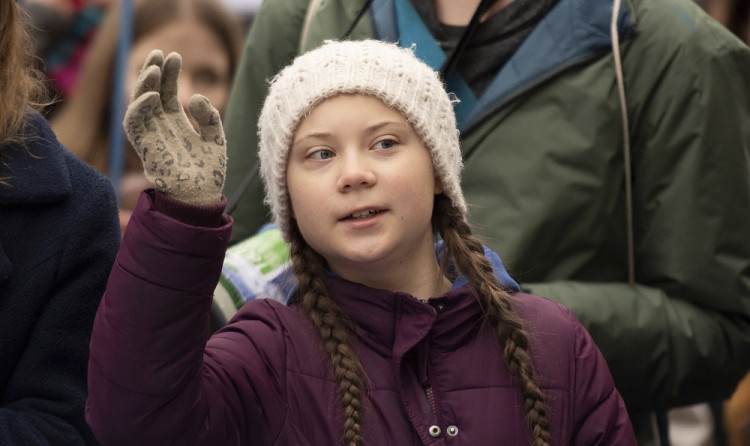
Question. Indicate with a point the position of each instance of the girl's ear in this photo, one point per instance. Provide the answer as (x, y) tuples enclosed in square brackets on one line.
[(291, 205), (438, 185)]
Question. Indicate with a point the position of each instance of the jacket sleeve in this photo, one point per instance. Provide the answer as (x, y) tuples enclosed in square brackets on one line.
[(271, 44), (598, 412), (43, 400), (154, 378), (687, 320)]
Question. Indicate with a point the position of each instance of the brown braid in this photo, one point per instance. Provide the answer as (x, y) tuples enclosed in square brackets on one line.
[(333, 328), (468, 256)]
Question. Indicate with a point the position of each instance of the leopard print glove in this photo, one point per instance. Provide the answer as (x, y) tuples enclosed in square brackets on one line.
[(183, 163)]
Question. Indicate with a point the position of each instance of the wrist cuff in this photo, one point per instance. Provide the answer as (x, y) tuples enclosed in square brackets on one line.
[(205, 215)]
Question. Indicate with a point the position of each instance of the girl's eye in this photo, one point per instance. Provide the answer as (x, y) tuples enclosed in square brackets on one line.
[(385, 144), (321, 154), (205, 78)]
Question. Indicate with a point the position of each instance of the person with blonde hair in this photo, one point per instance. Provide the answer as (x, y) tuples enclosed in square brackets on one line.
[(58, 239), (387, 339)]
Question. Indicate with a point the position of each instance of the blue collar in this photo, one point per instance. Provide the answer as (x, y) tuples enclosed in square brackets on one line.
[(506, 281)]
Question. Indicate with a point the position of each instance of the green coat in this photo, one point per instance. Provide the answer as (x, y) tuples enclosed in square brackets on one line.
[(544, 180)]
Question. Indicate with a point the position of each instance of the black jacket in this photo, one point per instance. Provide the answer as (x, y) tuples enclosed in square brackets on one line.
[(59, 234)]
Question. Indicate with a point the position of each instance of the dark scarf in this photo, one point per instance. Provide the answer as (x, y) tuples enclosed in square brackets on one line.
[(494, 42)]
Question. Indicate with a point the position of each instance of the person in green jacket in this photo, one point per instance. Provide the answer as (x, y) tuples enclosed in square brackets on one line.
[(607, 150)]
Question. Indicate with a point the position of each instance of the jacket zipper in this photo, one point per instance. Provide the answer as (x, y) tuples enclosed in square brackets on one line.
[(430, 399), (429, 393), (428, 388)]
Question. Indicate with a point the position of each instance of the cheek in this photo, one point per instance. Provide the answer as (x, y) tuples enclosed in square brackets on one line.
[(308, 203), (305, 212), (301, 202), (296, 196)]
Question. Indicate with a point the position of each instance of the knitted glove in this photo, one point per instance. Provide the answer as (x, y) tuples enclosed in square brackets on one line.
[(184, 164)]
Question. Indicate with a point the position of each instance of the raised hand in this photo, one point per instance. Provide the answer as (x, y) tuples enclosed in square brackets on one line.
[(183, 163)]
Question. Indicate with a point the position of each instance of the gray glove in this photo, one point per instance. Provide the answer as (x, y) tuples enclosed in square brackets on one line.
[(186, 165)]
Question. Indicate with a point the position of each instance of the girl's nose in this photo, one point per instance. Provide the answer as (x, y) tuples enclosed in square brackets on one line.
[(356, 172)]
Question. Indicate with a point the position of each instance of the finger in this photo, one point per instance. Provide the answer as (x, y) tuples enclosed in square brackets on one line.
[(170, 73), (148, 80), (140, 115), (155, 58), (208, 119)]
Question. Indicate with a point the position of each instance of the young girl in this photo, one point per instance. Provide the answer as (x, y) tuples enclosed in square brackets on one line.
[(383, 342)]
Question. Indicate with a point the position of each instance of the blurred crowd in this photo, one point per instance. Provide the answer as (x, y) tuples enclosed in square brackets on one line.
[(76, 45)]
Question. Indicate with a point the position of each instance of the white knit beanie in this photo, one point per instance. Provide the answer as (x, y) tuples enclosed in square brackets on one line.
[(371, 67)]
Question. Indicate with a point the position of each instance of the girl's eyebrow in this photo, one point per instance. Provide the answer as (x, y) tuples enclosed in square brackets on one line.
[(369, 130), (321, 135), (379, 126)]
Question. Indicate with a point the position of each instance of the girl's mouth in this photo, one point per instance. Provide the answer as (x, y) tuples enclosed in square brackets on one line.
[(362, 214)]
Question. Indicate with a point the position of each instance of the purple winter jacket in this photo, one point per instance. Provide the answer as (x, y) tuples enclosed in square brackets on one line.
[(155, 379)]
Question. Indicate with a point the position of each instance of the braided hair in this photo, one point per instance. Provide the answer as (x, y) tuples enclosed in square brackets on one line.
[(467, 253), (334, 329)]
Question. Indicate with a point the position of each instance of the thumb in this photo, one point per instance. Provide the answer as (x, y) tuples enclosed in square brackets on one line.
[(208, 119)]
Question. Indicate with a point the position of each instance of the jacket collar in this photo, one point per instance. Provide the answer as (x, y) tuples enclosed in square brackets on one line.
[(571, 32), (36, 172), (393, 323)]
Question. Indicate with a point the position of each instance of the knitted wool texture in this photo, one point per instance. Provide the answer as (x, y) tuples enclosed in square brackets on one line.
[(370, 67)]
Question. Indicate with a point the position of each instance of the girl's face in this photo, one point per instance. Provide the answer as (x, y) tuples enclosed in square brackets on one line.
[(205, 61), (362, 188)]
